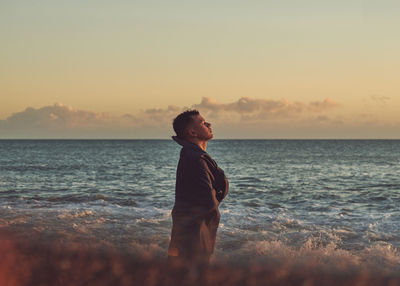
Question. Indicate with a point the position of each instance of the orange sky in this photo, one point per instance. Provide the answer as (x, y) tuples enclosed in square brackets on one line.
[(108, 59)]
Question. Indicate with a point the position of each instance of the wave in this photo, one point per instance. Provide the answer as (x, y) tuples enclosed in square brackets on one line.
[(77, 214), (51, 263), (82, 197), (42, 167), (320, 254)]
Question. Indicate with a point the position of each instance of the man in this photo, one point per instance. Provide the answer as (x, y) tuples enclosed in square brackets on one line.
[(200, 186)]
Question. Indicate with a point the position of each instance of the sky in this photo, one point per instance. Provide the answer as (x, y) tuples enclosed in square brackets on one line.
[(255, 69)]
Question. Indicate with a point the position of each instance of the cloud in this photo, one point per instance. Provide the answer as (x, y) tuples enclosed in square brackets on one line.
[(60, 116), (261, 109), (244, 118), (159, 116), (375, 100), (62, 121), (320, 106), (379, 99), (58, 120)]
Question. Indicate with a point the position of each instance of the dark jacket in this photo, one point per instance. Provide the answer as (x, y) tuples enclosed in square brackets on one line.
[(200, 186)]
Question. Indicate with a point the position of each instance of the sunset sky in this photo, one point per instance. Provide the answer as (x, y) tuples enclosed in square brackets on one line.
[(254, 69)]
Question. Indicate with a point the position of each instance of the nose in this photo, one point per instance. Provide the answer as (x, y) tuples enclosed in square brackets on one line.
[(208, 124)]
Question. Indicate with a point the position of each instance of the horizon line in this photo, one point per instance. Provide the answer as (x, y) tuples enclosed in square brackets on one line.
[(168, 139)]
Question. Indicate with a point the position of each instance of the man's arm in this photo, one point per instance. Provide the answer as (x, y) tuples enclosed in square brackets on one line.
[(220, 182), (203, 184), (223, 186)]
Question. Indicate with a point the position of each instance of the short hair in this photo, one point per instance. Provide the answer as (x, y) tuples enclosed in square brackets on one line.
[(182, 121)]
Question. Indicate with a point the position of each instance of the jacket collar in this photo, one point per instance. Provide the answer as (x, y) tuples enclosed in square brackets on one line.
[(187, 144)]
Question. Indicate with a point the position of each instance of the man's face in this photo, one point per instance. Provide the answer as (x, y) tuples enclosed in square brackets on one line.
[(200, 128)]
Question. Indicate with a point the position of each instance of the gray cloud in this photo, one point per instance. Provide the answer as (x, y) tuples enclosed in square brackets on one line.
[(379, 99), (375, 100), (243, 118), (159, 116), (260, 109), (59, 116), (62, 121), (320, 106)]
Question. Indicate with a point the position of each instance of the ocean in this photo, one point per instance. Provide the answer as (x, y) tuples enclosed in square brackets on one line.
[(327, 202)]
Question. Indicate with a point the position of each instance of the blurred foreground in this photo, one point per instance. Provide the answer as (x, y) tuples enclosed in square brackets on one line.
[(34, 262)]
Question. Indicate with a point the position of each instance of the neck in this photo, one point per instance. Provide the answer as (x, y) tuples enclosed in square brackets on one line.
[(202, 144)]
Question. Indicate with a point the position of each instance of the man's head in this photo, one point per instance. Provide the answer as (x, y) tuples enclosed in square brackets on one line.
[(190, 125)]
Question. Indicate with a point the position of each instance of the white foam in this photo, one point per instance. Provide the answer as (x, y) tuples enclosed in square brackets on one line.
[(321, 251), (77, 214)]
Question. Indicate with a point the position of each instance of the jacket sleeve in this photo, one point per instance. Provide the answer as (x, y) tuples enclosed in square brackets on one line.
[(222, 185), (203, 185), (220, 182)]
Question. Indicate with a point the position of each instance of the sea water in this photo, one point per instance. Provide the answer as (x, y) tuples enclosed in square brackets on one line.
[(325, 200)]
